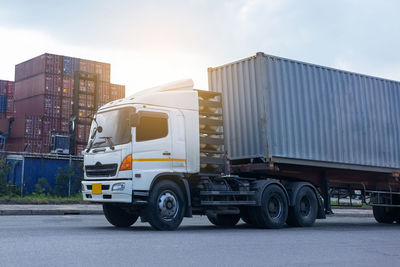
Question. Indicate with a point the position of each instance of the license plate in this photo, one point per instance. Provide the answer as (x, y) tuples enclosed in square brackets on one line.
[(96, 189)]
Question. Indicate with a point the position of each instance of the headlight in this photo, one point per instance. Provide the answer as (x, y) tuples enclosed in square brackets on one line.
[(83, 187), (118, 187)]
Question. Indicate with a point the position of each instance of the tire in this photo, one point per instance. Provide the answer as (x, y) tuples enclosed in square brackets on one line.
[(305, 209), (119, 216), (166, 206), (247, 216), (274, 208), (224, 219), (383, 214)]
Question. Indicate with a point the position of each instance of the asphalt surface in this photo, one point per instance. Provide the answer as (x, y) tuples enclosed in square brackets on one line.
[(93, 209), (82, 240)]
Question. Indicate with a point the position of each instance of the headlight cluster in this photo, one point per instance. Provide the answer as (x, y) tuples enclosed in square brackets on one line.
[(118, 187)]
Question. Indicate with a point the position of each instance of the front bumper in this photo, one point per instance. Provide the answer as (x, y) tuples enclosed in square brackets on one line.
[(106, 194)]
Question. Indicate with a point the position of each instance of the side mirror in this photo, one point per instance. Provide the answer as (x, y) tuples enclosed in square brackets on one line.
[(134, 120)]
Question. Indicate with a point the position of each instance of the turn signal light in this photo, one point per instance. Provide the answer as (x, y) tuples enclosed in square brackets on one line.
[(126, 164)]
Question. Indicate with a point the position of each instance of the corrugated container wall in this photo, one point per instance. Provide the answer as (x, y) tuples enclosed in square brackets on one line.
[(6, 99), (277, 108)]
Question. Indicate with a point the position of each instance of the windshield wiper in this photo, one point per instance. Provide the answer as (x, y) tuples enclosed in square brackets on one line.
[(95, 130), (108, 139), (98, 143)]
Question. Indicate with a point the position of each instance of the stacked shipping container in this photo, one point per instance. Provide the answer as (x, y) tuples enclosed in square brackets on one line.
[(6, 99), (52, 90)]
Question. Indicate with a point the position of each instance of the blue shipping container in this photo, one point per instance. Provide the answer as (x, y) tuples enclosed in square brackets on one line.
[(3, 104), (43, 166), (294, 112), (70, 65)]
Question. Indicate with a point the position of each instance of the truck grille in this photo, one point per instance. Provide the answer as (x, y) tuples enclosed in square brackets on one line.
[(100, 170)]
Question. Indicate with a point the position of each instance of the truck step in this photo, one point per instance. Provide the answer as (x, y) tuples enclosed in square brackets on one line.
[(229, 203), (227, 193)]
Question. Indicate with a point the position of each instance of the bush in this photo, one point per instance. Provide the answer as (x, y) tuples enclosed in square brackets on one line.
[(42, 187), (63, 179)]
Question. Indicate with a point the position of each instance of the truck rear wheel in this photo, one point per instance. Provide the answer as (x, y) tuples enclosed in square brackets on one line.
[(224, 219), (119, 216), (274, 208), (166, 206), (383, 214), (305, 209)]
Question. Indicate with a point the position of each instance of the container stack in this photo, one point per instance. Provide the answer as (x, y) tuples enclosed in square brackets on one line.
[(53, 92), (6, 99)]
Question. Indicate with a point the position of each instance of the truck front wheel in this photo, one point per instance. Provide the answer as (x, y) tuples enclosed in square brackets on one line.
[(166, 206), (305, 209), (273, 210), (118, 216)]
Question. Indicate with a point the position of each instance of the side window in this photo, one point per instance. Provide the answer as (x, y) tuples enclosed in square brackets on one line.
[(151, 128)]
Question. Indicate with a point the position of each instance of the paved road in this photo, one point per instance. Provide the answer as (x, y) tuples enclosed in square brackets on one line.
[(81, 240)]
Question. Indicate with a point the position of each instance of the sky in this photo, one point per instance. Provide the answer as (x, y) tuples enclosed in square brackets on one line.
[(149, 42)]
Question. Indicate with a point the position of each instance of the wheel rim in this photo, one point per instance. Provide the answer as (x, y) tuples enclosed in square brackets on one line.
[(168, 205), (305, 206), (274, 206)]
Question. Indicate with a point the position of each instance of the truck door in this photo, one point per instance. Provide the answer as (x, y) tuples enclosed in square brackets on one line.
[(152, 144)]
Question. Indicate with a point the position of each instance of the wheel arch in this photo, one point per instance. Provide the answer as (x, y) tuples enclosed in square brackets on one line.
[(183, 184)]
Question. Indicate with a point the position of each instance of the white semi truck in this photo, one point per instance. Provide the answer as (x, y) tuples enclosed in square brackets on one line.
[(172, 151)]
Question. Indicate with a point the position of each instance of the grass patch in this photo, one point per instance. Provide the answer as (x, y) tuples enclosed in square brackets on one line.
[(42, 199)]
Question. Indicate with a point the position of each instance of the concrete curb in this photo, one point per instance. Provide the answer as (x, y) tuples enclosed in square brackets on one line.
[(13, 210), (49, 212)]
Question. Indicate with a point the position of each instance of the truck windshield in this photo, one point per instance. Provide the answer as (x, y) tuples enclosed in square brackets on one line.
[(116, 127)]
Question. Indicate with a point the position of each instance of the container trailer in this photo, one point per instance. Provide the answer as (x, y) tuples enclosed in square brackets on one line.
[(265, 144)]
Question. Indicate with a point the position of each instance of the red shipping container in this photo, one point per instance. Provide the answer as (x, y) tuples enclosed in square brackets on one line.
[(79, 149), (48, 84), (3, 87), (84, 116), (30, 68), (66, 108), (46, 63), (10, 89), (80, 134), (64, 127), (58, 84), (33, 126), (52, 106), (68, 86), (117, 91), (103, 71), (87, 66), (10, 105)]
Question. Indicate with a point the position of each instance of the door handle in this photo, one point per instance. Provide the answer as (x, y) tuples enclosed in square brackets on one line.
[(166, 154)]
